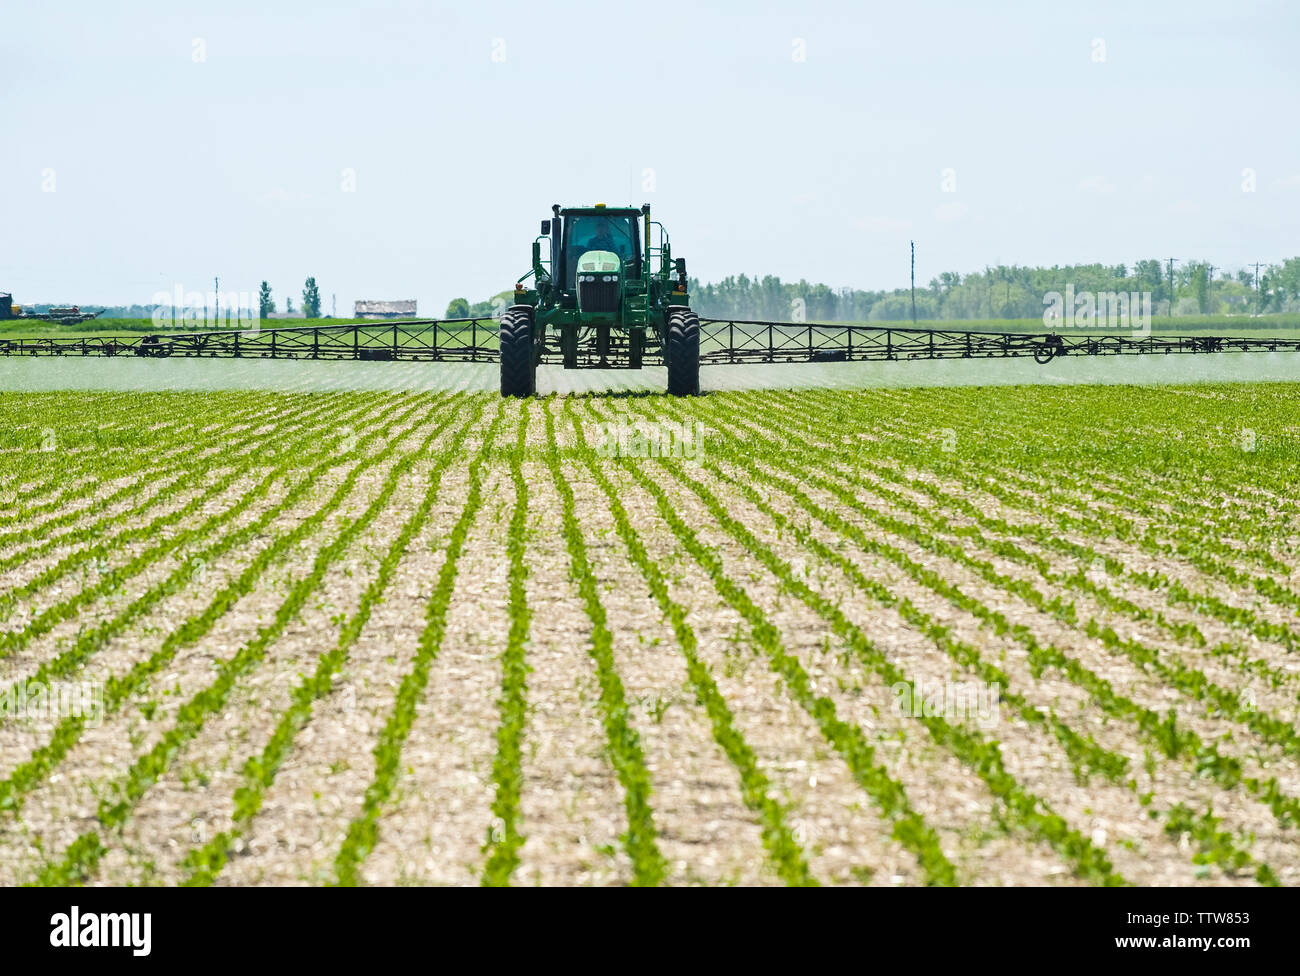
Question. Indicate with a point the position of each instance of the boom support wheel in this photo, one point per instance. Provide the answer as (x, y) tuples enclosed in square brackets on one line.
[(1049, 349), (518, 362), (683, 352)]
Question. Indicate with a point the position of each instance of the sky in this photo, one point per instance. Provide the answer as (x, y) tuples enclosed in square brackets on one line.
[(408, 149)]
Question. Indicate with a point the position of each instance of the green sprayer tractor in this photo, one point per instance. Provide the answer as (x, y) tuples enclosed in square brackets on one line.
[(605, 294)]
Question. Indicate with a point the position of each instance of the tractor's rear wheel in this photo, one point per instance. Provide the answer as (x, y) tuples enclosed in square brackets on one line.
[(518, 365), (683, 352)]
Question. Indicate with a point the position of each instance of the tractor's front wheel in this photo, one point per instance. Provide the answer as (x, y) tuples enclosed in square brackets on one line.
[(518, 365), (683, 352)]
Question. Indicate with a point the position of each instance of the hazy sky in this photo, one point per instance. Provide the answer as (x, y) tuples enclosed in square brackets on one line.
[(183, 140)]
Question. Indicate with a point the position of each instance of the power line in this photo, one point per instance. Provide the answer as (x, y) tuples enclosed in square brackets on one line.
[(913, 243), (1172, 290), (1258, 297)]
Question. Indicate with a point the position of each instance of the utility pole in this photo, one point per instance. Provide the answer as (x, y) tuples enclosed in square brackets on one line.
[(1258, 297), (216, 298), (1171, 286), (334, 305), (913, 243)]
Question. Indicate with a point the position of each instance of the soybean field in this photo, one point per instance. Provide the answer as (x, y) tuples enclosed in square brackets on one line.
[(956, 636)]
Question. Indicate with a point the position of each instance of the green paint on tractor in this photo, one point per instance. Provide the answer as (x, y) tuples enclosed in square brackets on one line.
[(603, 292)]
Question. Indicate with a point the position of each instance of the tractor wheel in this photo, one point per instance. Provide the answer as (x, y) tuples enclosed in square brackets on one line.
[(683, 352), (518, 367)]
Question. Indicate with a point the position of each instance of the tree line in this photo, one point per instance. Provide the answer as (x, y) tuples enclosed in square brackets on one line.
[(463, 308), (310, 300), (1006, 292), (311, 304)]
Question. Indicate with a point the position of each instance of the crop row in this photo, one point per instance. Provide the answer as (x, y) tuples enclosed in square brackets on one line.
[(363, 831), (1086, 756), (260, 769), (81, 858), (121, 688)]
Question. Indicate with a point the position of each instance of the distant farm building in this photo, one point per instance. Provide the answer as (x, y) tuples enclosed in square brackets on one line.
[(384, 310)]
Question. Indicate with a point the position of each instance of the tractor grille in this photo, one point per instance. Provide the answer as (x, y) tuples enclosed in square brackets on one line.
[(598, 295)]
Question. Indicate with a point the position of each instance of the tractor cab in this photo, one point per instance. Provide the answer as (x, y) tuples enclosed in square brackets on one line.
[(615, 233)]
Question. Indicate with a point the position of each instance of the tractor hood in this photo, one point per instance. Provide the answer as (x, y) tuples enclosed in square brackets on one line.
[(598, 262), (599, 282)]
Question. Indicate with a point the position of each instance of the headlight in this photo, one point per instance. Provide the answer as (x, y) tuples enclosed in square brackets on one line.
[(609, 278)]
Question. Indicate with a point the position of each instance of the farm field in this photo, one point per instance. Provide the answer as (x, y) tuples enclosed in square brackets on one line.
[(974, 636)]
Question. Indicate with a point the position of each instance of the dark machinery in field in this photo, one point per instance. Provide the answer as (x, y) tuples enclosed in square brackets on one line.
[(607, 294), (598, 301)]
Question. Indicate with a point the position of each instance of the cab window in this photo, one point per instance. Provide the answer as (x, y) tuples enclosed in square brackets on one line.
[(598, 232)]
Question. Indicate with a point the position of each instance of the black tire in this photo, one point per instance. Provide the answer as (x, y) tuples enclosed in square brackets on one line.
[(518, 367), (683, 352)]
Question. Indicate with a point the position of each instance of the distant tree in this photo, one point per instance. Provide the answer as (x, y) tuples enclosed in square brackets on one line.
[(946, 282), (311, 299), (490, 308), (1201, 284), (1150, 274), (1272, 289), (265, 303), (288, 304), (458, 308), (1284, 281)]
